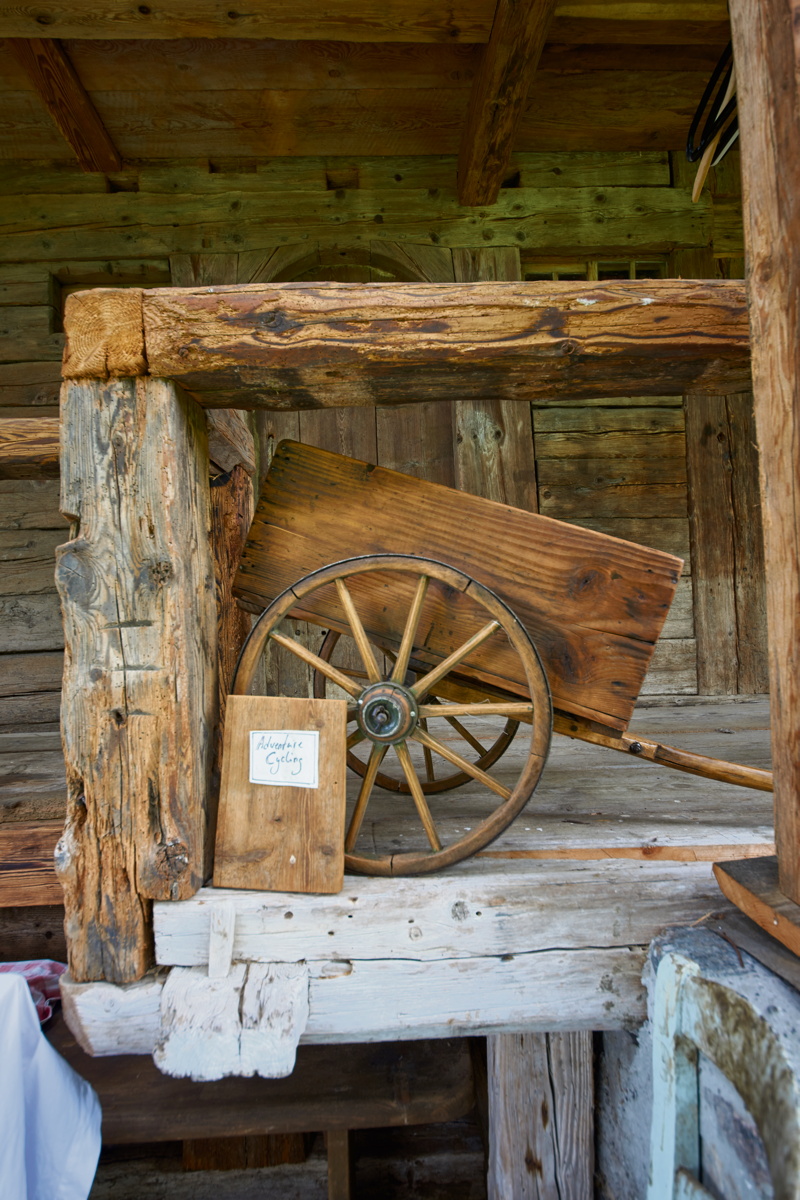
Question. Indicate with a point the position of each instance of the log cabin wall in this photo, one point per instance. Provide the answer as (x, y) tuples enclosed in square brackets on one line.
[(679, 476)]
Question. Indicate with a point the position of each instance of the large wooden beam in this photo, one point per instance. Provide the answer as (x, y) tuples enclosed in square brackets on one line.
[(498, 96), (140, 680), (300, 346), (66, 99), (767, 53)]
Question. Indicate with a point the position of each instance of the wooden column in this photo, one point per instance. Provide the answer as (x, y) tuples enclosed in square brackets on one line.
[(136, 583), (493, 439), (541, 1122), (766, 44)]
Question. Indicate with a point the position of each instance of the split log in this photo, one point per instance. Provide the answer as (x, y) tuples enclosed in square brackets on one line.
[(767, 53), (338, 345), (140, 683)]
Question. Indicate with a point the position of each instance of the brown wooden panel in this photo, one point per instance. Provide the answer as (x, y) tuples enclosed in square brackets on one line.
[(32, 931), (27, 873), (29, 448), (595, 612)]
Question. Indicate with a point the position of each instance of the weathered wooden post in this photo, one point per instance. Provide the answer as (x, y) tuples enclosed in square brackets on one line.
[(136, 582), (766, 45)]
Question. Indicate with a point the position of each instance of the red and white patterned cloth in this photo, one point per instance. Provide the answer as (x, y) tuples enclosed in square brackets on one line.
[(42, 975)]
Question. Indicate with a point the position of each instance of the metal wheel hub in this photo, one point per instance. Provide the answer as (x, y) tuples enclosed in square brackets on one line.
[(387, 712)]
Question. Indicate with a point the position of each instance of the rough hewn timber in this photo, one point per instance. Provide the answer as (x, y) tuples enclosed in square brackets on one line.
[(318, 346), (497, 100), (767, 50), (140, 683)]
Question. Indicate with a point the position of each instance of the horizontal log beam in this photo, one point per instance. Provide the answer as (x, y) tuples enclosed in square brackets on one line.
[(297, 346), (29, 447)]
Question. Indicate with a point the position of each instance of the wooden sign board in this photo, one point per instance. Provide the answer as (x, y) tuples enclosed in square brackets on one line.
[(282, 795)]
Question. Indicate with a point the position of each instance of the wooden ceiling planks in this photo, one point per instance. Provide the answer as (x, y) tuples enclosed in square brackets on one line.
[(365, 21)]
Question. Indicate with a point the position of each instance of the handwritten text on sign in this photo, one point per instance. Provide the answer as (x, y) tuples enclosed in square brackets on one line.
[(285, 757)]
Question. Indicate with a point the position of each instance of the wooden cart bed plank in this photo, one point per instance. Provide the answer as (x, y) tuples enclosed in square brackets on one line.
[(594, 604)]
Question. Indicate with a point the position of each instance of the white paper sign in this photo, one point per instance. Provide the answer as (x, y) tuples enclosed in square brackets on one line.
[(285, 757)]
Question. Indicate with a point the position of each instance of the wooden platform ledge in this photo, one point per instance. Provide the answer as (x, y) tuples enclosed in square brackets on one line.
[(753, 887), (297, 346)]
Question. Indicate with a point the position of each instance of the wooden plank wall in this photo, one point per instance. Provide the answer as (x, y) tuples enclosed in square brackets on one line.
[(620, 466)]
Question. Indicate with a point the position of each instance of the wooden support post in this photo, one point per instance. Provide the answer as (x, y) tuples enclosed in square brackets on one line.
[(541, 1124), (767, 54), (136, 583), (340, 1165), (493, 439)]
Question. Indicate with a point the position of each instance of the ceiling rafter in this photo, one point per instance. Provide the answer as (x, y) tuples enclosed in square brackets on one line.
[(498, 96), (65, 98)]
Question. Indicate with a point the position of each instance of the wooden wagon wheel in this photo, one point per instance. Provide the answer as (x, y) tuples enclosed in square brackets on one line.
[(388, 713), (487, 757)]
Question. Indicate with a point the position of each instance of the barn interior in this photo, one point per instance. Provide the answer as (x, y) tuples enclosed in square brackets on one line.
[(542, 143)]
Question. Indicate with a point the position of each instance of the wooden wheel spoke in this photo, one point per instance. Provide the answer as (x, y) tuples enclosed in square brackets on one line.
[(410, 631), (355, 737), (365, 791), (359, 634), (319, 664), (415, 788), (427, 682), (520, 712), (466, 735), (456, 759), (430, 774)]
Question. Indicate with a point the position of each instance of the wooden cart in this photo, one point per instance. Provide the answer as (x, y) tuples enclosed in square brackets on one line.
[(456, 608)]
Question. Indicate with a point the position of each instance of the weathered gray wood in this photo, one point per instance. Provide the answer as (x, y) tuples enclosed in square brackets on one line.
[(140, 685), (748, 545), (31, 622), (541, 1116)]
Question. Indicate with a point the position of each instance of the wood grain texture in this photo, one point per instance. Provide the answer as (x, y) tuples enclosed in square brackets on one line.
[(502, 82), (281, 838), (140, 682), (541, 1116), (32, 931), (262, 346), (727, 544), (185, 214), (597, 601), (29, 448), (27, 871), (232, 504), (104, 334), (493, 439), (55, 79), (768, 89), (754, 887)]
